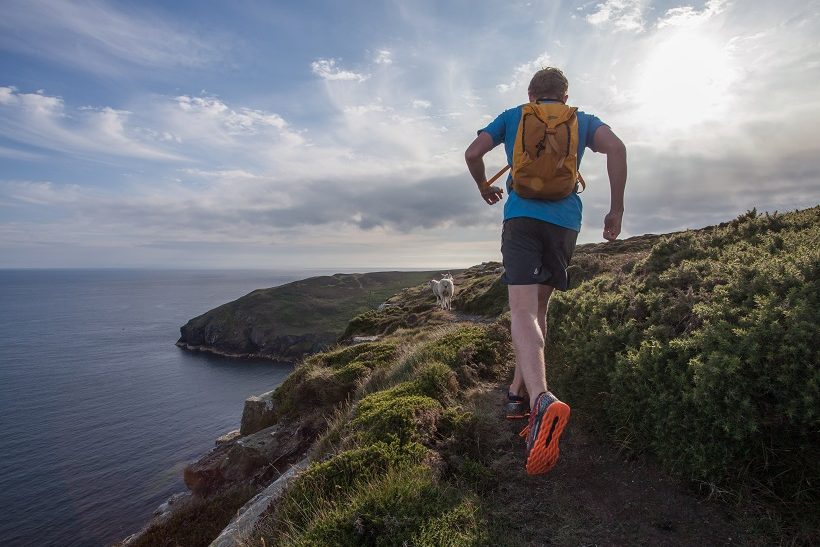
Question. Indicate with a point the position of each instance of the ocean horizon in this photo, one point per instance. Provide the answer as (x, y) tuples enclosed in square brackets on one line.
[(100, 410)]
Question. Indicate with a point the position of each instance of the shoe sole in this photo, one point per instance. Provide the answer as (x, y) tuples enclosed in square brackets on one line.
[(544, 453)]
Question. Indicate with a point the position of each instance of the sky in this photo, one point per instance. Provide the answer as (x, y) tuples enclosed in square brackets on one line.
[(312, 134)]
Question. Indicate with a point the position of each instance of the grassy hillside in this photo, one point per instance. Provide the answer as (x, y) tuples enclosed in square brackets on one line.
[(695, 350)]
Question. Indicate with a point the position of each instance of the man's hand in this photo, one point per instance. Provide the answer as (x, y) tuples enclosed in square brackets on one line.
[(492, 194), (606, 142), (612, 225)]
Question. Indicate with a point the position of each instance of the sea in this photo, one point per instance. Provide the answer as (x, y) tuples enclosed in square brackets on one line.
[(99, 410)]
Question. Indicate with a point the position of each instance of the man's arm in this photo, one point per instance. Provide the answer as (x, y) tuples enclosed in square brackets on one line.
[(606, 142), (474, 156)]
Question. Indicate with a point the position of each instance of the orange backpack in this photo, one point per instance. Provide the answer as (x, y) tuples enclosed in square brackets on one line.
[(545, 163)]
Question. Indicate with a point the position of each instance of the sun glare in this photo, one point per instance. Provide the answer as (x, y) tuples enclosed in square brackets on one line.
[(684, 81)]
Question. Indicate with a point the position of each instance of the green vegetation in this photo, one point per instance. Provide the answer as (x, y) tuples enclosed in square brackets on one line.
[(695, 348), (297, 318), (405, 506), (705, 354), (478, 291), (325, 380), (376, 483)]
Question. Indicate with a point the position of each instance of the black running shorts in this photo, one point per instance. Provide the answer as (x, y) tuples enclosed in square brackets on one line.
[(536, 252)]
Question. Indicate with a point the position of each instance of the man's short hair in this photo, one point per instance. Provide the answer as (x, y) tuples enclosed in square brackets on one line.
[(549, 83)]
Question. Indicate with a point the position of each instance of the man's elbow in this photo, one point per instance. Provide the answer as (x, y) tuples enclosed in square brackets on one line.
[(472, 155)]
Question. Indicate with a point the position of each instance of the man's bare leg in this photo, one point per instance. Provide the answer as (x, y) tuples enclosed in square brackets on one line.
[(528, 337), (544, 292)]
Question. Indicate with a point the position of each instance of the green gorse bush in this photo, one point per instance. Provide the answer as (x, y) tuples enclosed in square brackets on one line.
[(706, 353)]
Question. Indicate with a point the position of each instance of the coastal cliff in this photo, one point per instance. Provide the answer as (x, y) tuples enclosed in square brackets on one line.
[(287, 322), (401, 439)]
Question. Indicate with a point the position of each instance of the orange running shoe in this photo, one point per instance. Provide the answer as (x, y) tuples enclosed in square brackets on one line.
[(548, 418), (516, 407)]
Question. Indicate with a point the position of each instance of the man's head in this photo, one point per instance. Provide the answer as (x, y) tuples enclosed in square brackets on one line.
[(548, 83)]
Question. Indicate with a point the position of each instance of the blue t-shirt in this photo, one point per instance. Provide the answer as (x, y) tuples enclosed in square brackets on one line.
[(564, 212)]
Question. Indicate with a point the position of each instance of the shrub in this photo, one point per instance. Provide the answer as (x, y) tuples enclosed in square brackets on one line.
[(707, 354)]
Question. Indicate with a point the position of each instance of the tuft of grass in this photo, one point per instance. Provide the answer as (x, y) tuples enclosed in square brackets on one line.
[(477, 352), (327, 379), (406, 506), (320, 486), (385, 416)]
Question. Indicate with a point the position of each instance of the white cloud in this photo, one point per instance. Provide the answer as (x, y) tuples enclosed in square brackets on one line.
[(13, 153), (7, 95), (523, 74), (384, 57), (40, 120), (241, 121), (96, 36), (327, 69), (626, 15), (687, 15), (361, 110), (354, 172)]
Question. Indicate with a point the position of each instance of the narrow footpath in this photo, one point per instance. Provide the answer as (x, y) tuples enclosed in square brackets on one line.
[(596, 496)]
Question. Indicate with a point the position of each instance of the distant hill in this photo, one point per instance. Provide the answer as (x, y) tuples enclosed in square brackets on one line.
[(288, 321)]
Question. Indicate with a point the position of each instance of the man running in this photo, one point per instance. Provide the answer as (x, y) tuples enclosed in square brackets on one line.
[(537, 243)]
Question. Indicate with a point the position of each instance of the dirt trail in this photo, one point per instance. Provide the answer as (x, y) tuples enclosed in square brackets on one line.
[(594, 496)]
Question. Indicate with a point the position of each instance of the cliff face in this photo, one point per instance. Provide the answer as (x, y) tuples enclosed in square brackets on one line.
[(295, 319)]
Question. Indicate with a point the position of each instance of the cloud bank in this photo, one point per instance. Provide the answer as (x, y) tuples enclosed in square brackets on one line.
[(356, 158)]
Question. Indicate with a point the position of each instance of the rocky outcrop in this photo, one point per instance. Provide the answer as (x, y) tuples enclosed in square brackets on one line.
[(228, 437), (248, 457), (258, 413), (238, 530)]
